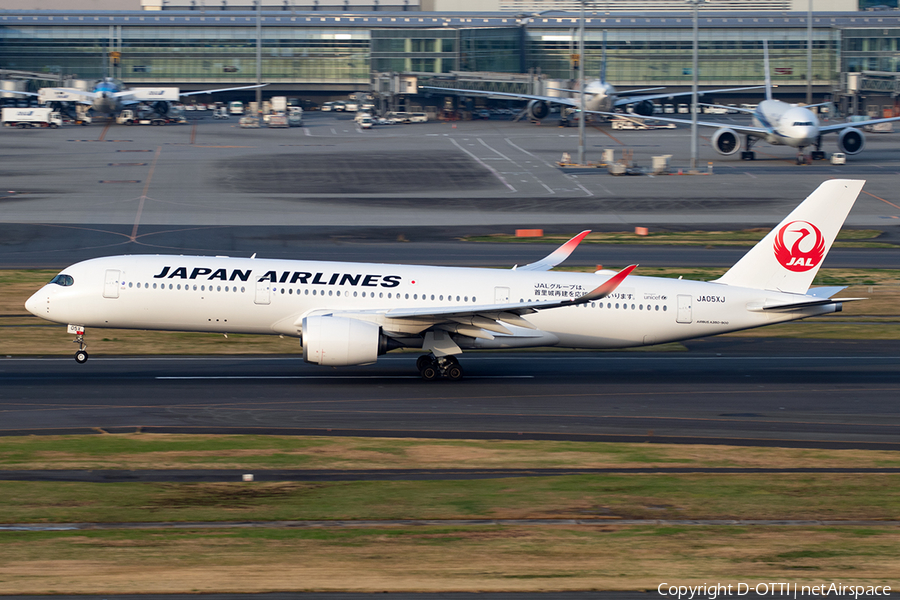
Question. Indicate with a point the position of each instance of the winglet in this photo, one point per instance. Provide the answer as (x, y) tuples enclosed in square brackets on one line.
[(557, 256), (607, 287)]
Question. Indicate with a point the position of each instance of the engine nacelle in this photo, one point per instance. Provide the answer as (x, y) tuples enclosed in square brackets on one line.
[(851, 141), (645, 108), (338, 341), (538, 109), (161, 107), (726, 141)]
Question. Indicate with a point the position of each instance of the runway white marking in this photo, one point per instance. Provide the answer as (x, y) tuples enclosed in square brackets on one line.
[(485, 165), (229, 377), (529, 172), (306, 131), (511, 356)]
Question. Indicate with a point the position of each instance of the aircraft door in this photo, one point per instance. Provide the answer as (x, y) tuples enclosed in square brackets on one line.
[(111, 284), (501, 295), (684, 309), (263, 292)]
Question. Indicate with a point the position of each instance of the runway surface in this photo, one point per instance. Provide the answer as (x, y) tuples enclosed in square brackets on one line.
[(724, 391)]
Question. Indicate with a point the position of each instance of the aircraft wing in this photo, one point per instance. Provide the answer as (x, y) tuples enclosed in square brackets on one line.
[(478, 321), (20, 93), (737, 108), (232, 89), (651, 89), (839, 126), (738, 128), (622, 101), (565, 101)]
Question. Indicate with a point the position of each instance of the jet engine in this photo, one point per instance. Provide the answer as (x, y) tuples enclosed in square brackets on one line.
[(161, 108), (644, 108), (538, 109), (726, 141), (338, 341), (851, 141)]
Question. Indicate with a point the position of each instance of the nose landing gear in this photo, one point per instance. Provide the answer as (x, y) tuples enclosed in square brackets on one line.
[(432, 367), (81, 355)]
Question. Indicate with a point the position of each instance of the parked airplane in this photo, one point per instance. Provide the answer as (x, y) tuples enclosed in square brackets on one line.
[(350, 313), (600, 96), (782, 124), (109, 95)]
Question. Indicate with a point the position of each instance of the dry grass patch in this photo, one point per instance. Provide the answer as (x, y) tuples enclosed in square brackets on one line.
[(467, 559), (182, 451)]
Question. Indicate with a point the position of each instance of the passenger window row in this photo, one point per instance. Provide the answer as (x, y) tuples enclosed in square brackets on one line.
[(187, 287)]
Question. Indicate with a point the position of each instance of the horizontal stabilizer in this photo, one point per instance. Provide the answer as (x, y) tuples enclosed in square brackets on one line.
[(789, 306)]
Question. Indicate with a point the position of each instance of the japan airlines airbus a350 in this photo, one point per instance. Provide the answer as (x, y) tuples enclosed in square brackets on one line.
[(350, 313)]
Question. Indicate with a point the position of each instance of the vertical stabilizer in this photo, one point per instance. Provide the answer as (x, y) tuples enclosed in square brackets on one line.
[(766, 69), (789, 257)]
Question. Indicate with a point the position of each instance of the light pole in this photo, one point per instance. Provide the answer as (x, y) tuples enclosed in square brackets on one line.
[(695, 5), (258, 58), (581, 86), (809, 42)]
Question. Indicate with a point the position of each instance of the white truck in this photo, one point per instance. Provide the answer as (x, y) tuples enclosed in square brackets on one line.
[(279, 104), (31, 117)]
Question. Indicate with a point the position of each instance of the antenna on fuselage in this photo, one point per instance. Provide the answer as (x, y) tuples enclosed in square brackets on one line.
[(766, 69)]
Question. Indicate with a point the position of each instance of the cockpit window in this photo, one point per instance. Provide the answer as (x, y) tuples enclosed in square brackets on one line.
[(63, 280), (803, 123)]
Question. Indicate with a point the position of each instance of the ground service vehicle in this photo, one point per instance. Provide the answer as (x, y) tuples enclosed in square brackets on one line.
[(276, 121), (31, 117), (236, 107)]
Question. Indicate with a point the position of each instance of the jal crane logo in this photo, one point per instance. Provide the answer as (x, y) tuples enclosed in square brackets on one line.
[(806, 250)]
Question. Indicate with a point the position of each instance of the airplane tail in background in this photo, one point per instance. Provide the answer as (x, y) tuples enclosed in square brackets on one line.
[(766, 69), (789, 257)]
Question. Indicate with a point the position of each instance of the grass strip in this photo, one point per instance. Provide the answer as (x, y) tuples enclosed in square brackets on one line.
[(819, 496), (184, 451), (466, 559)]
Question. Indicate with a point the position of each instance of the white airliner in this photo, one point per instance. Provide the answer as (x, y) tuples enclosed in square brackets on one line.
[(109, 95), (782, 124), (350, 313), (600, 96)]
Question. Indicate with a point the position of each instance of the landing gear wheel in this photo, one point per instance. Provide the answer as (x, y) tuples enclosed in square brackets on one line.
[(424, 361), (430, 373), (748, 155), (81, 357), (818, 155), (454, 373)]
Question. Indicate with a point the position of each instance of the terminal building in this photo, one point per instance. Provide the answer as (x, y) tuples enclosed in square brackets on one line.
[(324, 54)]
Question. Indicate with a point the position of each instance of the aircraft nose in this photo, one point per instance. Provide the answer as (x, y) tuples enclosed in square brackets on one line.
[(37, 303)]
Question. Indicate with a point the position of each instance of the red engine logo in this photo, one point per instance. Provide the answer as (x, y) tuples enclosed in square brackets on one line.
[(807, 249)]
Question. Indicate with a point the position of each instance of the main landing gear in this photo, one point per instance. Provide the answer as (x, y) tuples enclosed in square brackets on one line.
[(817, 154), (747, 153), (81, 355), (432, 367)]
